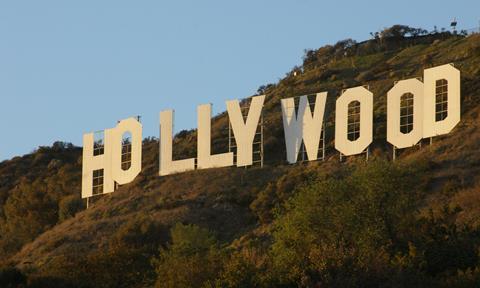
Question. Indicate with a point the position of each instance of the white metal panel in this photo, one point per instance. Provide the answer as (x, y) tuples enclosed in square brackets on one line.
[(135, 128), (342, 143), (394, 135), (431, 127), (244, 131), (292, 128), (304, 126), (167, 165), (91, 163), (205, 158)]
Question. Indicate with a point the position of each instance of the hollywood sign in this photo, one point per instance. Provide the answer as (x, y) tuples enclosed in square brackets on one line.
[(415, 110)]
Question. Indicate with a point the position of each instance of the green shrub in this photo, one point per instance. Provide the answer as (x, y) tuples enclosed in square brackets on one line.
[(337, 230), (192, 259)]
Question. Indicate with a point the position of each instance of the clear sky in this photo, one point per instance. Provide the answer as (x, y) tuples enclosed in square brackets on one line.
[(70, 67)]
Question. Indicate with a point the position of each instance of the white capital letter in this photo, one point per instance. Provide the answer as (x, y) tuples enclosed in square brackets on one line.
[(205, 158), (244, 131), (442, 92), (135, 128), (167, 165), (342, 143), (303, 126), (102, 163), (394, 98)]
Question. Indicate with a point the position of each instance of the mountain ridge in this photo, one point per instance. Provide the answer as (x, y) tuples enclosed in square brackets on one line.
[(239, 206)]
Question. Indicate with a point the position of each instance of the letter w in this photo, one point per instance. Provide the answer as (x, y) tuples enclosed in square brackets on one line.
[(304, 126)]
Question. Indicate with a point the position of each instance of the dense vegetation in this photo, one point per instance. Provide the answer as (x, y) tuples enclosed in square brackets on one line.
[(413, 222)]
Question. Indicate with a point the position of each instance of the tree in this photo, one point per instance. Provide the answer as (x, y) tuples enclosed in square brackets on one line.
[(192, 259), (339, 232)]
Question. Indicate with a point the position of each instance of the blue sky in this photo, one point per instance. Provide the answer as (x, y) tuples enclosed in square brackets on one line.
[(70, 67)]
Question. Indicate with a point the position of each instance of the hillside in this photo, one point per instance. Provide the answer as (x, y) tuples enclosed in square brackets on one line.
[(413, 222)]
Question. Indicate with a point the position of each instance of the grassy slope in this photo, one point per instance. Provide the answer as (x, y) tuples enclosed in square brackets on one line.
[(220, 199)]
